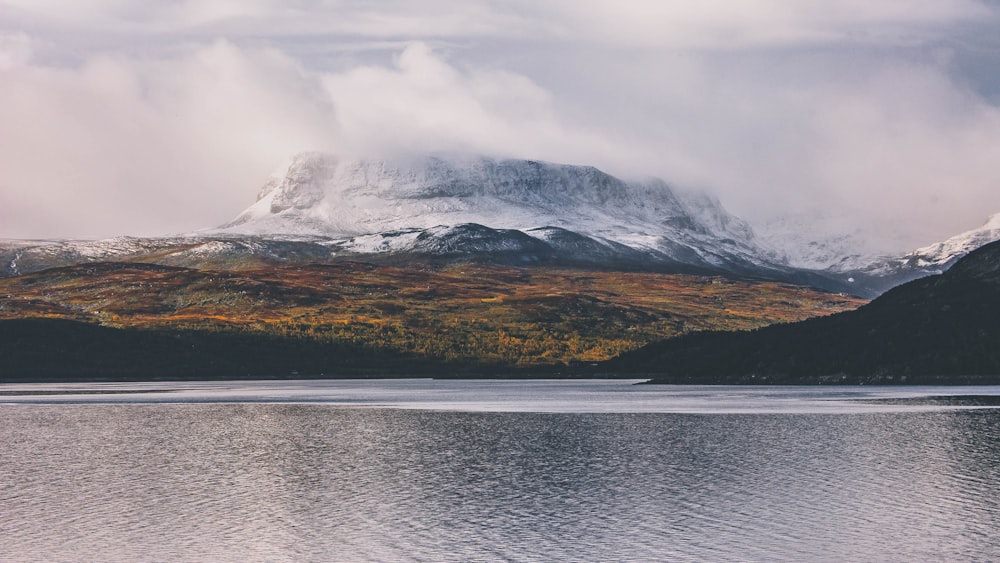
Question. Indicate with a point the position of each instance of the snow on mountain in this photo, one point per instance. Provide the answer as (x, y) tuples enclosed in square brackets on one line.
[(874, 276), (21, 257), (800, 241), (382, 206), (942, 254), (813, 240), (30, 255), (938, 257)]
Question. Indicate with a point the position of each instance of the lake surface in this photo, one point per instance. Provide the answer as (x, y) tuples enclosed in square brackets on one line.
[(497, 470)]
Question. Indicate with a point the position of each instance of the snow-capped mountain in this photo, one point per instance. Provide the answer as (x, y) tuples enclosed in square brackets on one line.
[(320, 208), (405, 204), (942, 255), (938, 257), (882, 273)]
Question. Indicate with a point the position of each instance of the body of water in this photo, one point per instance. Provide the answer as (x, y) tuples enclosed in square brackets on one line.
[(497, 470)]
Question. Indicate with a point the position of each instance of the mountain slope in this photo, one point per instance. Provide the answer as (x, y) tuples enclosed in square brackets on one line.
[(940, 329), (470, 242), (321, 209), (47, 349), (934, 258), (321, 195), (850, 257), (873, 275), (468, 315), (802, 242), (25, 257), (941, 255)]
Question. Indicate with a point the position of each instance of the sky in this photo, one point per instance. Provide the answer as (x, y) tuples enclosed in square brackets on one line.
[(145, 117)]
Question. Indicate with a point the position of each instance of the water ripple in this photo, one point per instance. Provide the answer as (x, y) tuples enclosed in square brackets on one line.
[(291, 482)]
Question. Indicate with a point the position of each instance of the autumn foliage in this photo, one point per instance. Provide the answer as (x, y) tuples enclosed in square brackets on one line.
[(468, 313)]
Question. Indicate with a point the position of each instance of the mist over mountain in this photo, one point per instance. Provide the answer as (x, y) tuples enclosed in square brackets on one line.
[(323, 195), (523, 210)]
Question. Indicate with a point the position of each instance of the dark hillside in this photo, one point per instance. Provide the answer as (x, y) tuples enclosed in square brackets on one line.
[(356, 314), (941, 329), (59, 349)]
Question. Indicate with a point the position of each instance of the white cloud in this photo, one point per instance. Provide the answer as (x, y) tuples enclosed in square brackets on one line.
[(421, 102), (139, 146), (15, 50), (679, 24), (912, 150), (904, 152), (124, 145), (270, 18), (722, 24), (133, 117)]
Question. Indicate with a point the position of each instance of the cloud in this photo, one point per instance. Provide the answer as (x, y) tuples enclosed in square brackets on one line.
[(274, 18), (634, 23), (421, 102), (721, 24), (135, 117), (904, 152), (125, 145), (912, 150), (131, 146), (15, 50)]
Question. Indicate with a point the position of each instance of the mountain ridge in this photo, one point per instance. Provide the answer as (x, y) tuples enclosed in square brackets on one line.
[(883, 273), (321, 195), (939, 329)]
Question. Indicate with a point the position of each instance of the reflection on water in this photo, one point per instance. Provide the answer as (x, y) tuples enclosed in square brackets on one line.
[(260, 481)]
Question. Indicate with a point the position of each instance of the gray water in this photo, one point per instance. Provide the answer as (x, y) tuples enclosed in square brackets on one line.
[(460, 471)]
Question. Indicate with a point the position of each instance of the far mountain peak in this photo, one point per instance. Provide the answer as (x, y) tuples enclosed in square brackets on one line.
[(320, 194)]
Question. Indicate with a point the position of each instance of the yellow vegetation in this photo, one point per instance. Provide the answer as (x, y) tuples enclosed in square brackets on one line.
[(491, 314)]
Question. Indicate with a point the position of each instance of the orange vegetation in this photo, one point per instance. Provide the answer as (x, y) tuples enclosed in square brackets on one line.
[(492, 314)]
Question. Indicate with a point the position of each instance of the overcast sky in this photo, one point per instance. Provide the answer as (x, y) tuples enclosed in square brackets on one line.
[(146, 117)]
